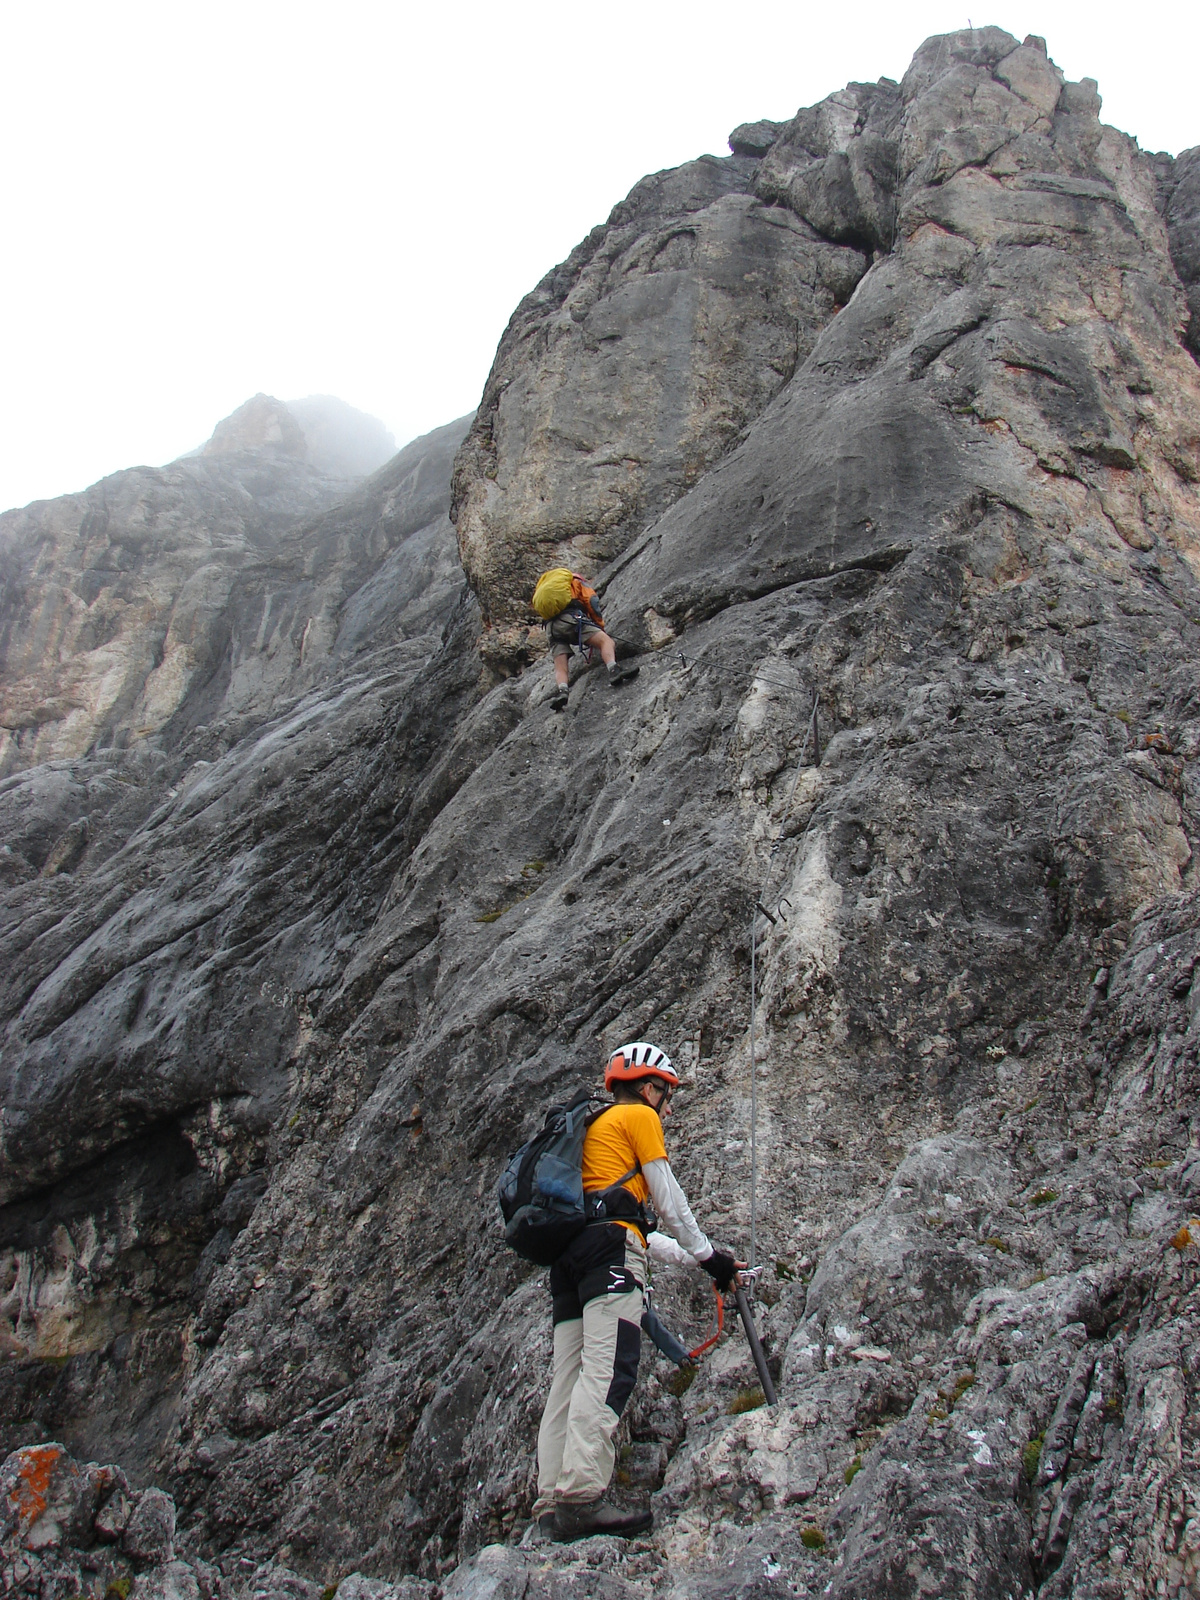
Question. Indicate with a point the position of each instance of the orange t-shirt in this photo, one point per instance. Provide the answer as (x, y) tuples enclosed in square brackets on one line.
[(618, 1139)]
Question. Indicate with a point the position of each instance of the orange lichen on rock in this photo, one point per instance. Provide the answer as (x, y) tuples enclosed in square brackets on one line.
[(29, 1494)]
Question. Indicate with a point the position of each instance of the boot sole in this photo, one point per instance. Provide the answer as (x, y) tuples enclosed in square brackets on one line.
[(626, 1530)]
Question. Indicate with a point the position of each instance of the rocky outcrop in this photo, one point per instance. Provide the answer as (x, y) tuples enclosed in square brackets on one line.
[(77, 1531), (628, 372), (263, 1060)]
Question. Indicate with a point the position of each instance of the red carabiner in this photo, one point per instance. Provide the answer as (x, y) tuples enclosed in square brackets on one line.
[(720, 1328)]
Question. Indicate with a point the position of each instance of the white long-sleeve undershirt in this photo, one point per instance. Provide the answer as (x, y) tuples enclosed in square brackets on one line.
[(675, 1216), (665, 1251)]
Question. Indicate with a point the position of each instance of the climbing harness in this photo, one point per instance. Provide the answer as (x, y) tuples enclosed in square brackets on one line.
[(573, 613)]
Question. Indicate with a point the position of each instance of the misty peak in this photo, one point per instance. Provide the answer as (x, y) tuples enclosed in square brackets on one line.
[(262, 423), (343, 442), (333, 438)]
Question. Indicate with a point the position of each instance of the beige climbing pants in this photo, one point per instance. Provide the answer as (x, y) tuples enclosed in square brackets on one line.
[(598, 1302)]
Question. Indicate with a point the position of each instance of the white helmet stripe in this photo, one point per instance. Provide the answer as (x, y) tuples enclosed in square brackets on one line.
[(642, 1054)]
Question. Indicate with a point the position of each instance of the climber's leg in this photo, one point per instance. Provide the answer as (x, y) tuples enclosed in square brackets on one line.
[(568, 1352)]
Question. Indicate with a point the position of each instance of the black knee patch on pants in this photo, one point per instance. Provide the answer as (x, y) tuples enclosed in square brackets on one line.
[(625, 1365)]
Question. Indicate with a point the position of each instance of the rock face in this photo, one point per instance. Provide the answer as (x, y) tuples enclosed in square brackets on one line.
[(214, 589), (1183, 223), (72, 1529), (358, 595), (628, 371), (267, 1044)]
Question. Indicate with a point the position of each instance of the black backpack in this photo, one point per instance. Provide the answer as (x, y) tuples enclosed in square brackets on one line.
[(541, 1193)]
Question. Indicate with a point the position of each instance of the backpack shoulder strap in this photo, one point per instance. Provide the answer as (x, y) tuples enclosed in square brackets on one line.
[(585, 594), (637, 1165)]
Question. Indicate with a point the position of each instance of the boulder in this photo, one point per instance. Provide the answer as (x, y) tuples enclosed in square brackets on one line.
[(149, 1535)]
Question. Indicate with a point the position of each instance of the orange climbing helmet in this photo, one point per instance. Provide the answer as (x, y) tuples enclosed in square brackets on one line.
[(641, 1060)]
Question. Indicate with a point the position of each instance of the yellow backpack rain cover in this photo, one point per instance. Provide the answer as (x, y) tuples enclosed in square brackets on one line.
[(553, 593)]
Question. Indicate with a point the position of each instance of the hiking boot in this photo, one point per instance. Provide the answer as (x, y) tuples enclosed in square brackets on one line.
[(540, 1532), (558, 699), (582, 1519), (620, 670)]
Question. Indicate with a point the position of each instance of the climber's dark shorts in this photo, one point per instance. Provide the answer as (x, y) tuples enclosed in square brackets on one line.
[(564, 632), (604, 1259)]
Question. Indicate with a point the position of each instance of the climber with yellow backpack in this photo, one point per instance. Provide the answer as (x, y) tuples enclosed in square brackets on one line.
[(565, 604)]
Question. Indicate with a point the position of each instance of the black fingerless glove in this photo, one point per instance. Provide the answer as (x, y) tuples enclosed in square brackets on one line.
[(721, 1268)]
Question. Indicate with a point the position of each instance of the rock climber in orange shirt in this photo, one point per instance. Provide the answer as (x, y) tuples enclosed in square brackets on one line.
[(597, 1288)]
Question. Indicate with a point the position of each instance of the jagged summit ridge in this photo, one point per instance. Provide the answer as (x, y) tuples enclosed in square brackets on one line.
[(983, 149)]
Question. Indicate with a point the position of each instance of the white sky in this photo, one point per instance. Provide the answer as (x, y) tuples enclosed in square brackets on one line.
[(204, 200)]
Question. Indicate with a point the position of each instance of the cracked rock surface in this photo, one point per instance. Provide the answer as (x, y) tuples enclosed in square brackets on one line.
[(268, 1041)]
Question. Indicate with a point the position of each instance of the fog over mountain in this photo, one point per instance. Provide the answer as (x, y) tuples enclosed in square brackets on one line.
[(338, 440)]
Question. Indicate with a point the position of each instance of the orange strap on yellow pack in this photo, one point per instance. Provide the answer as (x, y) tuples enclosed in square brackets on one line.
[(585, 594)]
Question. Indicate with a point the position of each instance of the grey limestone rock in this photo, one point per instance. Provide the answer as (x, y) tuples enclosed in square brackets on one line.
[(499, 1573), (113, 1516), (754, 138), (355, 911), (149, 1535), (356, 1587), (630, 370), (213, 592), (46, 1499), (261, 424), (58, 1520), (173, 1580)]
